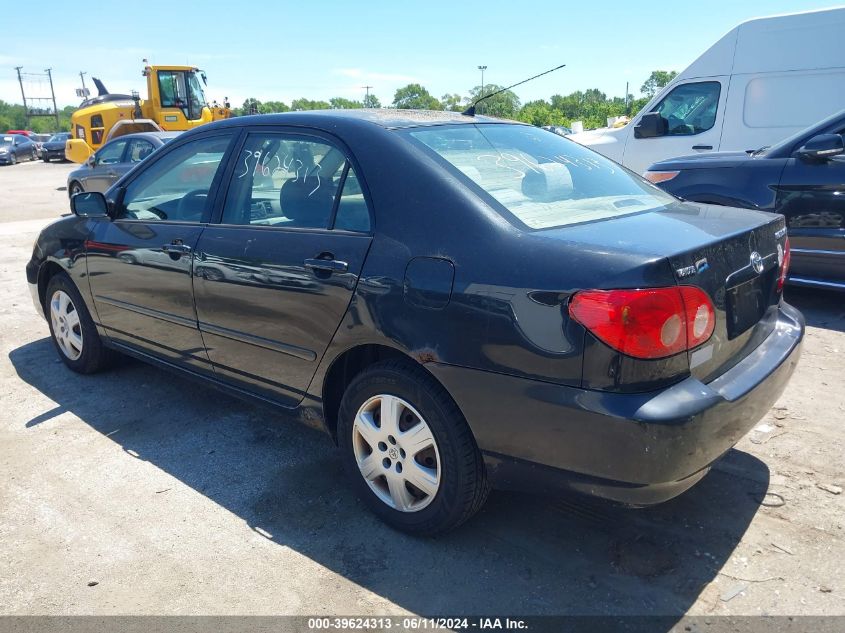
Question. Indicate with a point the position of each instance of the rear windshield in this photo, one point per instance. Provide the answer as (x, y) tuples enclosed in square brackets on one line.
[(539, 178)]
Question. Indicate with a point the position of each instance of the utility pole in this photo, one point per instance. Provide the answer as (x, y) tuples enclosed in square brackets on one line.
[(23, 96), (82, 77), (367, 98), (482, 69), (49, 72), (626, 98)]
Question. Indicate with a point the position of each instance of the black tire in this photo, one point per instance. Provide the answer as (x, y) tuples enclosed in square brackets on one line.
[(463, 487), (45, 158), (13, 159), (95, 356), (74, 189)]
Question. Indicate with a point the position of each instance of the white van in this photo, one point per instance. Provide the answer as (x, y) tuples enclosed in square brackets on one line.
[(764, 80)]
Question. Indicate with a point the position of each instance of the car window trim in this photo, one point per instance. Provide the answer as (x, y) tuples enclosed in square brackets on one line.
[(213, 190), (217, 215)]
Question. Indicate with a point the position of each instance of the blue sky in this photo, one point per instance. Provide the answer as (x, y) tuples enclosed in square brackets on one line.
[(284, 50)]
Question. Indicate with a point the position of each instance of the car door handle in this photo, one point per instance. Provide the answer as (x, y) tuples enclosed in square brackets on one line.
[(702, 147), (329, 265), (177, 248)]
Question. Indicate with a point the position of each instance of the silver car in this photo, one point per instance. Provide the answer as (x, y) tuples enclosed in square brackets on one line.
[(115, 158)]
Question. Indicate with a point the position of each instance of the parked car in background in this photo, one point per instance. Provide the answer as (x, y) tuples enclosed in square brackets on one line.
[(39, 140), (458, 301), (801, 177), (765, 79), (26, 133), (54, 147), (114, 159), (15, 148)]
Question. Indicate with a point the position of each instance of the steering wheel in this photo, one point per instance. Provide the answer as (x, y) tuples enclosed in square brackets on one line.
[(192, 205)]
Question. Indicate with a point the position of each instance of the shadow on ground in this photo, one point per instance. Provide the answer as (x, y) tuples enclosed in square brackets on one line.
[(821, 308), (521, 555)]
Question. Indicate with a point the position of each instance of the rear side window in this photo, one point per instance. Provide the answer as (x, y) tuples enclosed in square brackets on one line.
[(293, 181), (139, 149), (537, 179)]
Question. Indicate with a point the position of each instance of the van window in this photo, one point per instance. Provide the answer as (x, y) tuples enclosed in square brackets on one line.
[(780, 101), (690, 108)]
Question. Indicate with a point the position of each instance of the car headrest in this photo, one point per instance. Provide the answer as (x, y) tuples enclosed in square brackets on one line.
[(547, 181), (307, 202)]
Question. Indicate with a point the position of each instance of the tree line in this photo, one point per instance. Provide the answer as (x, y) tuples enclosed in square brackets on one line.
[(591, 106)]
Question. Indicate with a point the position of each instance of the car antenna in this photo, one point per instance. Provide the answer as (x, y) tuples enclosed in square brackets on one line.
[(470, 111)]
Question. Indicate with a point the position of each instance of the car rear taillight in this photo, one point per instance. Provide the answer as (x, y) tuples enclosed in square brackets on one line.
[(648, 322), (784, 265)]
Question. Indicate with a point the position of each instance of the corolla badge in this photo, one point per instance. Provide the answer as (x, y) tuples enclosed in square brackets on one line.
[(699, 267), (756, 262)]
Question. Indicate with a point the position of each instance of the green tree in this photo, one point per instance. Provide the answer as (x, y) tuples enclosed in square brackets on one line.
[(274, 106), (505, 105), (415, 97), (452, 102), (340, 103), (371, 101), (308, 104), (657, 80), (251, 106)]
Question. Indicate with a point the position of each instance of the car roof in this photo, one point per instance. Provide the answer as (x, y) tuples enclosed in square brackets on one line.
[(389, 118)]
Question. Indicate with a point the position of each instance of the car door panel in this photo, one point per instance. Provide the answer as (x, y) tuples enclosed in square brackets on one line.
[(812, 197), (141, 265), (272, 281), (142, 292), (266, 318)]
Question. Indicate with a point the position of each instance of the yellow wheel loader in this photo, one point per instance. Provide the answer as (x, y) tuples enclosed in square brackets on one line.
[(175, 101)]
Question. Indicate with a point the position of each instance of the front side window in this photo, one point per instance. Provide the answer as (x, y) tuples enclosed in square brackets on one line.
[(286, 181), (536, 179), (111, 153), (690, 108), (176, 188)]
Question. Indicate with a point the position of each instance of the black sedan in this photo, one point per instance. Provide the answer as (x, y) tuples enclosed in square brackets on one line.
[(15, 148), (54, 147), (802, 177), (459, 302)]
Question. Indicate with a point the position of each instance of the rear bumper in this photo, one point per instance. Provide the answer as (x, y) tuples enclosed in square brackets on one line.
[(635, 448)]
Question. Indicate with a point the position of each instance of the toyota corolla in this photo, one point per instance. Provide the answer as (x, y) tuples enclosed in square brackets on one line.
[(459, 302)]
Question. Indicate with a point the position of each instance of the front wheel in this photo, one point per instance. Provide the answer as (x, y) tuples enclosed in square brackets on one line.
[(75, 188), (408, 450), (72, 329), (13, 159)]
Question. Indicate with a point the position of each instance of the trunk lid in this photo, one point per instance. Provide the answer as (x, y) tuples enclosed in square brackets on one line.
[(713, 248)]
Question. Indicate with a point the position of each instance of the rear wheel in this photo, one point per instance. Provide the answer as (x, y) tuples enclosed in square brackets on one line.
[(72, 329), (75, 188), (409, 451)]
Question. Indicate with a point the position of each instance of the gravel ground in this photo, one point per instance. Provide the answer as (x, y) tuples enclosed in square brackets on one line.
[(175, 499)]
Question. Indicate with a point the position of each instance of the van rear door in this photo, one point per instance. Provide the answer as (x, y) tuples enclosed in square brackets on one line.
[(693, 112)]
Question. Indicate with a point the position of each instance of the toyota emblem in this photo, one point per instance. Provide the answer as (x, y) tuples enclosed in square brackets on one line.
[(756, 262)]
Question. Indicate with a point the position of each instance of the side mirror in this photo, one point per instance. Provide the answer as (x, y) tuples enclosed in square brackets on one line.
[(822, 147), (90, 204), (91, 160), (650, 126)]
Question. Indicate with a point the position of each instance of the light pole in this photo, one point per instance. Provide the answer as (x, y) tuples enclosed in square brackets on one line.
[(482, 69)]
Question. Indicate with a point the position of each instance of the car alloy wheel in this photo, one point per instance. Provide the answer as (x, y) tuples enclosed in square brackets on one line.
[(66, 325), (396, 453), (75, 188)]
